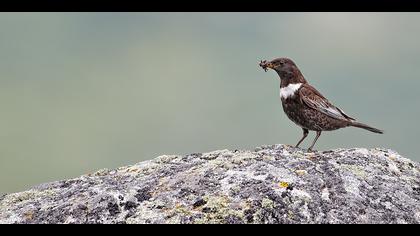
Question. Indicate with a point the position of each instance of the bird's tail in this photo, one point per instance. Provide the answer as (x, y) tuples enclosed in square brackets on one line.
[(367, 127)]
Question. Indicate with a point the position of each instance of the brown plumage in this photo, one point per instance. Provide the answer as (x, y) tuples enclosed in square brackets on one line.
[(305, 106)]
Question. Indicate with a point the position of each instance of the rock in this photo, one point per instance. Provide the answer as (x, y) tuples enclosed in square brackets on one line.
[(272, 184)]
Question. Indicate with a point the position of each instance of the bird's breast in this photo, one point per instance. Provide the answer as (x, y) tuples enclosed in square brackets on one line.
[(289, 91)]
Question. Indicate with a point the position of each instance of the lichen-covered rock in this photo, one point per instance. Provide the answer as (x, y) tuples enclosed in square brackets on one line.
[(272, 184)]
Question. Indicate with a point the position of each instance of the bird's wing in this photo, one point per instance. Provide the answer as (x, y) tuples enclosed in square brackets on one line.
[(314, 99)]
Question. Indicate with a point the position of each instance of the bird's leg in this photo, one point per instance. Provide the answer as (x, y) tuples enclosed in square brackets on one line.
[(318, 133), (305, 134)]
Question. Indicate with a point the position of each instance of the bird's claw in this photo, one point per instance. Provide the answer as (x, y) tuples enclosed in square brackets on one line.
[(311, 150)]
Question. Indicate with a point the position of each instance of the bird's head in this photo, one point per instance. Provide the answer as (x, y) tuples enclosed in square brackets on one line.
[(282, 64), (285, 68)]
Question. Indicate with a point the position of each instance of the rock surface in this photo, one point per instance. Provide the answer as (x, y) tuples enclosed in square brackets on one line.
[(272, 184)]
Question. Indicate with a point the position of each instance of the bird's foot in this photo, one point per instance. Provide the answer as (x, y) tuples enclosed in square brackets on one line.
[(291, 146)]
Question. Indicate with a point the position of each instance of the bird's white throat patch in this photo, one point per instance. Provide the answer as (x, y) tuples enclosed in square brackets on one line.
[(289, 90)]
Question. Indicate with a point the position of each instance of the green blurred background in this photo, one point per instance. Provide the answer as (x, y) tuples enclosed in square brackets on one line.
[(84, 91)]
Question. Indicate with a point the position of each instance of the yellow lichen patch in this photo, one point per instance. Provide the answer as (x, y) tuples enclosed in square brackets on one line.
[(247, 204), (283, 184), (176, 212), (220, 207), (298, 154), (133, 169), (217, 201), (181, 209), (392, 157), (16, 198), (267, 203), (162, 186), (28, 215), (290, 214), (356, 170), (301, 172), (268, 158)]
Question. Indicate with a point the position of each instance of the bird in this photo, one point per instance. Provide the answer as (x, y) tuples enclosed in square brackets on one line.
[(306, 106)]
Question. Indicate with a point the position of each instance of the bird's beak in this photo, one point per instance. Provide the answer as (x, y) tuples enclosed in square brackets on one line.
[(266, 65)]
